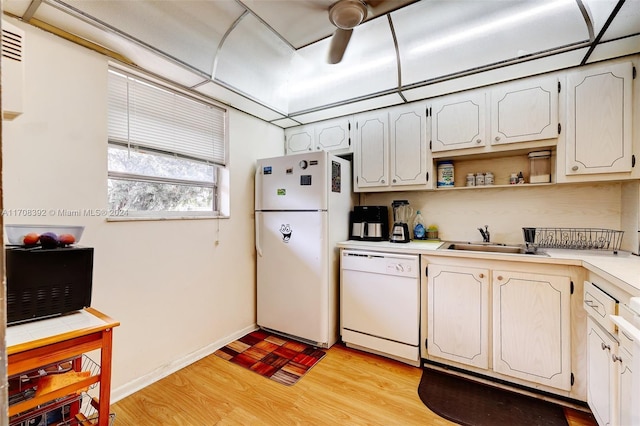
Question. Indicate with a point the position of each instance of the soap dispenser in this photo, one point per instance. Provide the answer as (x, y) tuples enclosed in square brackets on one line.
[(419, 230)]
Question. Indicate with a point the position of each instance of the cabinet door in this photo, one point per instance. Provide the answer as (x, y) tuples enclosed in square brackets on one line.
[(458, 121), (298, 139), (526, 111), (627, 407), (371, 155), (410, 156), (333, 135), (602, 387), (599, 120), (458, 314), (532, 327)]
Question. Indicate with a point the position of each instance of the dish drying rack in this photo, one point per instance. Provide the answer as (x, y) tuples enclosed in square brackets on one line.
[(578, 238)]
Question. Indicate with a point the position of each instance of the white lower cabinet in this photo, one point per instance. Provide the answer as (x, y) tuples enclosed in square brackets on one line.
[(625, 388), (602, 374), (532, 327), (458, 314), (528, 313), (612, 338)]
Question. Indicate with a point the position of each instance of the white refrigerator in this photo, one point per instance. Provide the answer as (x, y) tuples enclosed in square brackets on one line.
[(302, 205)]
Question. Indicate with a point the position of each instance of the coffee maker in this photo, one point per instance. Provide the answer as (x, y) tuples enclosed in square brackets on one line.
[(369, 223), (402, 213)]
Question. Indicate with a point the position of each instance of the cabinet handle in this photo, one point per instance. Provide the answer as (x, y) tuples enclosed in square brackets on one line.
[(478, 140), (605, 347), (394, 181), (481, 275), (616, 358), (574, 168), (382, 181), (497, 138), (499, 277)]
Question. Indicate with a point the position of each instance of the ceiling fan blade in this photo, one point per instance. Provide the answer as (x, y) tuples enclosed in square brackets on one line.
[(339, 43), (374, 3), (382, 7)]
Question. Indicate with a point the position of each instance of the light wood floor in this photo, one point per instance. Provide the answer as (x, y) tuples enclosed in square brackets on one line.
[(347, 387)]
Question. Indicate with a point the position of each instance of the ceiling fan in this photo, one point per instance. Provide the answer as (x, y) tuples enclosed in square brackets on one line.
[(345, 15)]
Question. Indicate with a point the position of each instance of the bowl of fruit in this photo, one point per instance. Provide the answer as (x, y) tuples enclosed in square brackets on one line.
[(47, 236)]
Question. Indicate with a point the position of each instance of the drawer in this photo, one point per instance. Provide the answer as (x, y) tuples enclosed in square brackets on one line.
[(599, 305), (624, 337)]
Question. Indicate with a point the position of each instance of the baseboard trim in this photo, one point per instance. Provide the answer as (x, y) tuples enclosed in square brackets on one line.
[(159, 373)]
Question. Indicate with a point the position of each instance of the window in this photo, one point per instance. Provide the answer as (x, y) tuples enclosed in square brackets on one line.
[(166, 151)]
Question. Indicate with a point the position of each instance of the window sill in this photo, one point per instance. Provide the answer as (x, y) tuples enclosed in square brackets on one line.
[(152, 218)]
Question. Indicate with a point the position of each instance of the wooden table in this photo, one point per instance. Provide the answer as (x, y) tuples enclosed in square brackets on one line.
[(44, 342)]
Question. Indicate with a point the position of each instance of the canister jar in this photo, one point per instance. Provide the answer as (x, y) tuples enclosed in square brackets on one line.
[(488, 178), (479, 179), (540, 166), (471, 180), (445, 174)]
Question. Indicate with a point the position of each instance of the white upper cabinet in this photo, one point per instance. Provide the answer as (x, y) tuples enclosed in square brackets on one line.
[(333, 135), (299, 139), (599, 119), (524, 111), (391, 150), (410, 155), (458, 121), (330, 135), (371, 154)]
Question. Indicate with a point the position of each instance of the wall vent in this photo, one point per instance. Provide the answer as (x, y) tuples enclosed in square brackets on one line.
[(11, 43), (12, 70)]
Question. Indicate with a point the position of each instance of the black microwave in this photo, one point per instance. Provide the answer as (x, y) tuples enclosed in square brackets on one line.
[(43, 283)]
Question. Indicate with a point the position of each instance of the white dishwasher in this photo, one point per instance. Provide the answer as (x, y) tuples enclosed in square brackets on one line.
[(380, 303)]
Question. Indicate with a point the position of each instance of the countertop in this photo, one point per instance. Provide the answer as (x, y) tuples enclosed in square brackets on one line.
[(622, 269)]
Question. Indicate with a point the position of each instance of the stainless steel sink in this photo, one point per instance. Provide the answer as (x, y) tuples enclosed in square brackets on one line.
[(489, 247)]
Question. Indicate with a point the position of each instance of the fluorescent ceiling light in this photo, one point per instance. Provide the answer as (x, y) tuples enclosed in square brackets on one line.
[(492, 26), (318, 77)]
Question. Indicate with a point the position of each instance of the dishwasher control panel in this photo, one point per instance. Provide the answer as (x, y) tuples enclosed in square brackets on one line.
[(381, 263), (398, 267)]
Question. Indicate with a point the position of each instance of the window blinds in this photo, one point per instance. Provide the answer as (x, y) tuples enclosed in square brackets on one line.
[(149, 116)]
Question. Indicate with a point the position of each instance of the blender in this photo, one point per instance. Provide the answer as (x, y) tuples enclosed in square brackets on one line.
[(402, 213)]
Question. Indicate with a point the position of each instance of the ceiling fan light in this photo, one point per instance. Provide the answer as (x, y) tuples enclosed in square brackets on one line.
[(347, 14)]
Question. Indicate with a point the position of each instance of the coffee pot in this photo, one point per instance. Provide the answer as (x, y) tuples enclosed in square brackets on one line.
[(402, 213)]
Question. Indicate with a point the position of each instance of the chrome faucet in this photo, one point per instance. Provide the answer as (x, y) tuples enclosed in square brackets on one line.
[(486, 237)]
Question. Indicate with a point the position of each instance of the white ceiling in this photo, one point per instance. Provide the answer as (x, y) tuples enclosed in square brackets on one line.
[(268, 57)]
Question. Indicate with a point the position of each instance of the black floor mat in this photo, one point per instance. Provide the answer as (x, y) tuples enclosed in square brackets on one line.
[(471, 403)]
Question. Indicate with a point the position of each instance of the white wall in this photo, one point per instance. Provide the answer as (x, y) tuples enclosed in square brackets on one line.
[(458, 213), (177, 294)]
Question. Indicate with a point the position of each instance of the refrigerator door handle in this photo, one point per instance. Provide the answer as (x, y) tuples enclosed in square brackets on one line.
[(258, 218)]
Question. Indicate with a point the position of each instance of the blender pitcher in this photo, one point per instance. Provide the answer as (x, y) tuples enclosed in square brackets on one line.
[(402, 213)]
